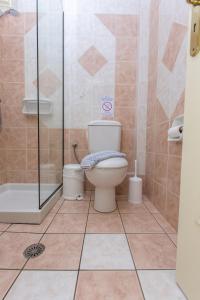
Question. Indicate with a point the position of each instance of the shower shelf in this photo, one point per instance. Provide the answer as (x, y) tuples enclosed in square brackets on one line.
[(30, 107)]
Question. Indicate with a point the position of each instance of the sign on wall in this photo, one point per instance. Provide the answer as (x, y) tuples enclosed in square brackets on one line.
[(107, 106)]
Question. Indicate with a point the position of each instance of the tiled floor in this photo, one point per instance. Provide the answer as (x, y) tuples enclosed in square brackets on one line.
[(127, 254)]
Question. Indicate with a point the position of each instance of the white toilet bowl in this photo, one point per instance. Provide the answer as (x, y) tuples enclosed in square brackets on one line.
[(105, 177)]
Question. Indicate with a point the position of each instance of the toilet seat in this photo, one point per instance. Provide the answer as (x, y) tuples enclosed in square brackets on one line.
[(112, 163)]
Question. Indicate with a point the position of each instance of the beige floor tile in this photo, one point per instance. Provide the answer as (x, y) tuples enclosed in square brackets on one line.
[(173, 237), (152, 251), (149, 205), (4, 226), (112, 285), (57, 206), (12, 246), (88, 195), (32, 228), (122, 197), (79, 207), (140, 223), (62, 252), (164, 224), (101, 223), (126, 207), (93, 211), (6, 279), (68, 223)]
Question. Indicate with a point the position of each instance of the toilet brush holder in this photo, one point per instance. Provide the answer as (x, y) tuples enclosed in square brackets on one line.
[(135, 188)]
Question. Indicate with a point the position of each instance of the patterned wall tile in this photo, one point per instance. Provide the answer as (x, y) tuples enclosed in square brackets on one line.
[(92, 60)]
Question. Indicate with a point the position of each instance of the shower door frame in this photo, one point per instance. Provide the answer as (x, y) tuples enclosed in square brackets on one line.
[(41, 205)]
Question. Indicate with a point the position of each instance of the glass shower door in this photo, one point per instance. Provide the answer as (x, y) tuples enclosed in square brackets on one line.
[(50, 95)]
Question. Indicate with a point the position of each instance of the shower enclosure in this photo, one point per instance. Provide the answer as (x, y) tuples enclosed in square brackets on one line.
[(31, 110)]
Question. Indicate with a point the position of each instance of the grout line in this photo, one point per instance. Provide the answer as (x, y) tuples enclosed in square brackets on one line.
[(86, 270), (78, 272), (168, 234), (78, 233), (22, 269), (131, 253), (84, 234), (164, 231)]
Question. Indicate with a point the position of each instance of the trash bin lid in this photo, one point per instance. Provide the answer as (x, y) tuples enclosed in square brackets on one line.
[(75, 167)]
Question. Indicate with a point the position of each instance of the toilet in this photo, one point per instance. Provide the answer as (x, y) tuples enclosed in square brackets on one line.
[(107, 174)]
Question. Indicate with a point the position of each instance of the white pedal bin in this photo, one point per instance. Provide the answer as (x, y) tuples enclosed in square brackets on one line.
[(73, 182)]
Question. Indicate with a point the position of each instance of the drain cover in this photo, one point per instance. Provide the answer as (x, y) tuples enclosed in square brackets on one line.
[(34, 250)]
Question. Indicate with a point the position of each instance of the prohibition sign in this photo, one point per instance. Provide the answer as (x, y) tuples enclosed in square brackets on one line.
[(107, 106)]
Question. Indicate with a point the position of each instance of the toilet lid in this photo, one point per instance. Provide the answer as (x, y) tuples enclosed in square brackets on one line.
[(116, 162)]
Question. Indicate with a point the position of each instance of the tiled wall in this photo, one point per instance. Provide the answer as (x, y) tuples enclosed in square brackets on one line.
[(17, 131), (101, 59), (132, 52), (18, 78), (110, 49), (167, 56)]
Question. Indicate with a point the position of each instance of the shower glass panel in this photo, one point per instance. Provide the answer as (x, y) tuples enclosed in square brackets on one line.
[(50, 95)]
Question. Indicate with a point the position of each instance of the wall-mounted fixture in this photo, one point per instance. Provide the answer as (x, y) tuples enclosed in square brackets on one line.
[(30, 107), (175, 133), (195, 27)]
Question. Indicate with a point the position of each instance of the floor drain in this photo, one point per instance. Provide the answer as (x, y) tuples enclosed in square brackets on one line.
[(34, 250)]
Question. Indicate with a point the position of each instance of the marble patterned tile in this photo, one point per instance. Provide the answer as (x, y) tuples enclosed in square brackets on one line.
[(57, 206), (12, 246), (4, 226), (68, 223), (62, 252), (173, 237), (126, 207), (164, 224), (106, 251), (6, 279), (93, 211), (152, 251), (102, 223), (149, 205), (160, 284), (140, 223), (45, 285), (79, 207), (112, 285)]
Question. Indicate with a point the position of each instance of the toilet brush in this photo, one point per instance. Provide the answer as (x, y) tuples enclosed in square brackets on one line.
[(135, 188)]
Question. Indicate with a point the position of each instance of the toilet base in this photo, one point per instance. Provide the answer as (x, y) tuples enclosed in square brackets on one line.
[(104, 200)]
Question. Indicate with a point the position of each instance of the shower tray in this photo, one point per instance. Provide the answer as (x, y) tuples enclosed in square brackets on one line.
[(19, 202)]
